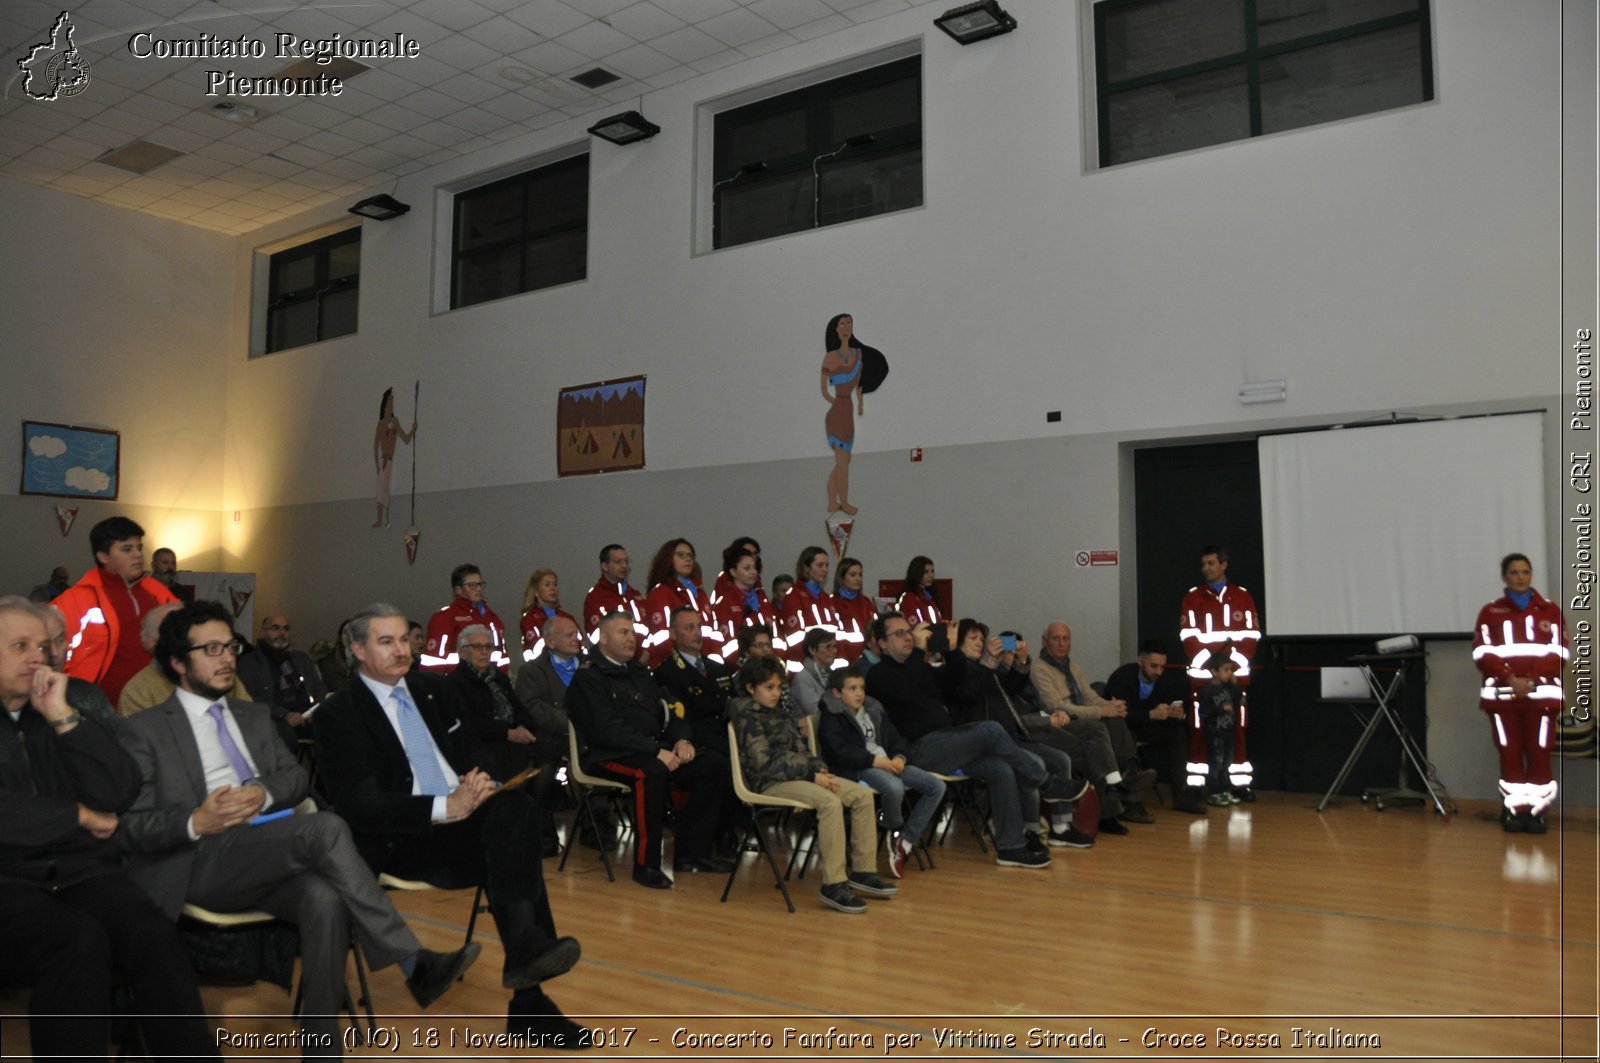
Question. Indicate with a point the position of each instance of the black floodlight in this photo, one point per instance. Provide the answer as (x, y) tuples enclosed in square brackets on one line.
[(625, 128), (380, 207), (976, 22)]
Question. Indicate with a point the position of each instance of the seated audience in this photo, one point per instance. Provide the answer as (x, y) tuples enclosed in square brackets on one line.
[(807, 606), (164, 568), (330, 656), (191, 836), (780, 586), (738, 600), (675, 582), (72, 920), (612, 593), (411, 779), (150, 686), (439, 656), (542, 688), (52, 588), (627, 733), (777, 761), (104, 607), (906, 684), (853, 609), (541, 601), (282, 678), (1157, 700), (700, 685), (917, 603), (1106, 748), (819, 650), (860, 742)]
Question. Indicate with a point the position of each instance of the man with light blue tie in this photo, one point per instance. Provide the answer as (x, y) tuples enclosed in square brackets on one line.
[(400, 763), (203, 829)]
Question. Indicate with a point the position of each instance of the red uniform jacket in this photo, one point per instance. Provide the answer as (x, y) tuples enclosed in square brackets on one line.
[(658, 606), (607, 597), (444, 628), (799, 612), (1209, 622), (1528, 643), (919, 607), (730, 611), (855, 620), (94, 628), (533, 622)]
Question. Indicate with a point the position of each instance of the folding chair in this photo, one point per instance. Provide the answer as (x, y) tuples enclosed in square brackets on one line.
[(961, 790), (409, 885), (583, 783), (762, 805)]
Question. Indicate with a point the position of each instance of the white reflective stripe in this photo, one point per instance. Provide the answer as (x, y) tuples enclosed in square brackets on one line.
[(1239, 778), (1213, 638), (838, 663), (528, 655), (1197, 780), (1511, 795), (496, 658), (1546, 692), (796, 639), (730, 648), (715, 657), (1191, 619), (655, 638), (1499, 733), (1197, 767), (538, 648), (430, 661), (1227, 614), (93, 616), (1505, 626), (640, 629), (1243, 765), (794, 666), (1484, 629), (1208, 621), (1544, 732), (1539, 795), (1521, 649), (1527, 626), (852, 636)]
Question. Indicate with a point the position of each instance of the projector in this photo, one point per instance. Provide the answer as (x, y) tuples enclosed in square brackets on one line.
[(1399, 644)]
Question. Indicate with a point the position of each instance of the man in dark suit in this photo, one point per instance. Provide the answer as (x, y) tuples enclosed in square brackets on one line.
[(210, 767), (283, 678), (71, 919), (408, 773), (700, 685), (1158, 701)]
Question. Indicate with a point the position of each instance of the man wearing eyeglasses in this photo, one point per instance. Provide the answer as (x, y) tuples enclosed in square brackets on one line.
[(205, 829), (442, 653), (283, 678)]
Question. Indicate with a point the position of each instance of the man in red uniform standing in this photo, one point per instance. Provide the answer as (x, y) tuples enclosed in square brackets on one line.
[(613, 593), (444, 627), (1520, 646), (1219, 616), (104, 608)]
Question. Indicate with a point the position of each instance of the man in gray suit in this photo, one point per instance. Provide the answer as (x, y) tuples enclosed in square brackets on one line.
[(202, 829)]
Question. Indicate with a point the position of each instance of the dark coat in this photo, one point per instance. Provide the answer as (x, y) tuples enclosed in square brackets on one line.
[(845, 747), (704, 697), (618, 711), (477, 704)]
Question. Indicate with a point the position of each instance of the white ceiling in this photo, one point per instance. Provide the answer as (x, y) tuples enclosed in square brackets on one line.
[(489, 71)]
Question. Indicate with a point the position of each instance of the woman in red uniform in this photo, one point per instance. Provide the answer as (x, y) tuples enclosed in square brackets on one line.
[(807, 605), (739, 600), (917, 604), (675, 582), (541, 603), (1520, 645), (853, 607)]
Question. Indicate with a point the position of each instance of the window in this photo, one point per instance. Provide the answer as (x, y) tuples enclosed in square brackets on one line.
[(1178, 74), (520, 234), (835, 151), (313, 291)]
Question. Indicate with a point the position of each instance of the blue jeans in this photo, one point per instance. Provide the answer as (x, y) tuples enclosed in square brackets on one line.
[(892, 789), (984, 751)]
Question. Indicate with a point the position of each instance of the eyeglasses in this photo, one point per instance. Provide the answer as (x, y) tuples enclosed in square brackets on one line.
[(216, 649), (684, 554), (896, 632), (476, 585)]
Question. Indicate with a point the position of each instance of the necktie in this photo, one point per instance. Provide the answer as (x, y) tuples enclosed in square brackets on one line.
[(241, 766), (419, 746)]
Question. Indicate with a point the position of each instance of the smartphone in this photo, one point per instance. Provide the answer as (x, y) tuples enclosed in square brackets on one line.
[(1008, 643)]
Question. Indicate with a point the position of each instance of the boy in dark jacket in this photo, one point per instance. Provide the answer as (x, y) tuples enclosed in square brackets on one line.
[(1219, 701), (859, 740), (778, 762)]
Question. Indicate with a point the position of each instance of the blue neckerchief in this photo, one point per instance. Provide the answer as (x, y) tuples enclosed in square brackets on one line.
[(1217, 586), (1521, 600), (566, 667), (814, 587), (548, 612), (1145, 687), (480, 607), (752, 600), (688, 585), (847, 594)]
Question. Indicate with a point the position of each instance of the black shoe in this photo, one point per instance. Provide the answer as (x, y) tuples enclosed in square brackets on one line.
[(841, 898), (702, 863), (727, 844), (536, 1017), (1532, 823), (1112, 826), (1186, 803), (1245, 794), (1021, 858), (1136, 813), (869, 883), (1512, 822), (1057, 789), (1032, 843), (1071, 838), (436, 972), (556, 960), (653, 877)]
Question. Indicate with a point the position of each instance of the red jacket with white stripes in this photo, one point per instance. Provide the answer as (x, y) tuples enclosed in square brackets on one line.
[(855, 620), (93, 626), (658, 607), (533, 622), (1209, 621), (799, 612), (919, 608), (444, 629), (1527, 643), (730, 611), (607, 597)]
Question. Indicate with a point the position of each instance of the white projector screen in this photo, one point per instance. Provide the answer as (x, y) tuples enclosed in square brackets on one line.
[(1398, 529)]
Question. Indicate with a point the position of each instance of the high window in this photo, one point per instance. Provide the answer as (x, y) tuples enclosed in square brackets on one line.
[(838, 150), (522, 233), (313, 291), (1178, 74)]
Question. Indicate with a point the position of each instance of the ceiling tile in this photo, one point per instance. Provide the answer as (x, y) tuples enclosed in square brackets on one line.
[(548, 18), (599, 8), (551, 57), (644, 22), (776, 41), (595, 40), (787, 14), (695, 10), (503, 36), (738, 27), (640, 61), (821, 27), (470, 88), (453, 14), (688, 44)]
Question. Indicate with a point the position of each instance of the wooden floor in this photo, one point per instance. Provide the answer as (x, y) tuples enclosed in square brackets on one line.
[(1376, 935)]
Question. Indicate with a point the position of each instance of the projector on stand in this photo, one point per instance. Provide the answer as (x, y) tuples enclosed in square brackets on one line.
[(1399, 644)]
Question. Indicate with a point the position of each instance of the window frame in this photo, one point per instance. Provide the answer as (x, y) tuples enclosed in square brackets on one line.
[(275, 301), (527, 231), (1250, 59), (814, 97)]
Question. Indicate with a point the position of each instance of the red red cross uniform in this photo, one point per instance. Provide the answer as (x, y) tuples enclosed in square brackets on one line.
[(1210, 621), (1528, 644)]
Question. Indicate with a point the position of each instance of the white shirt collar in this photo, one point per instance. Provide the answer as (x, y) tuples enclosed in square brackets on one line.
[(384, 691), (195, 705)]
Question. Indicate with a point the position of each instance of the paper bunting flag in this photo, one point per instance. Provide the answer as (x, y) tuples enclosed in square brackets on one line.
[(839, 528), (411, 545), (239, 595), (65, 515)]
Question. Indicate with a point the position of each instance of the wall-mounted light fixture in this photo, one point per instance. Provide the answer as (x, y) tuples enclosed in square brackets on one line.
[(1255, 391), (380, 207), (976, 22), (629, 127)]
